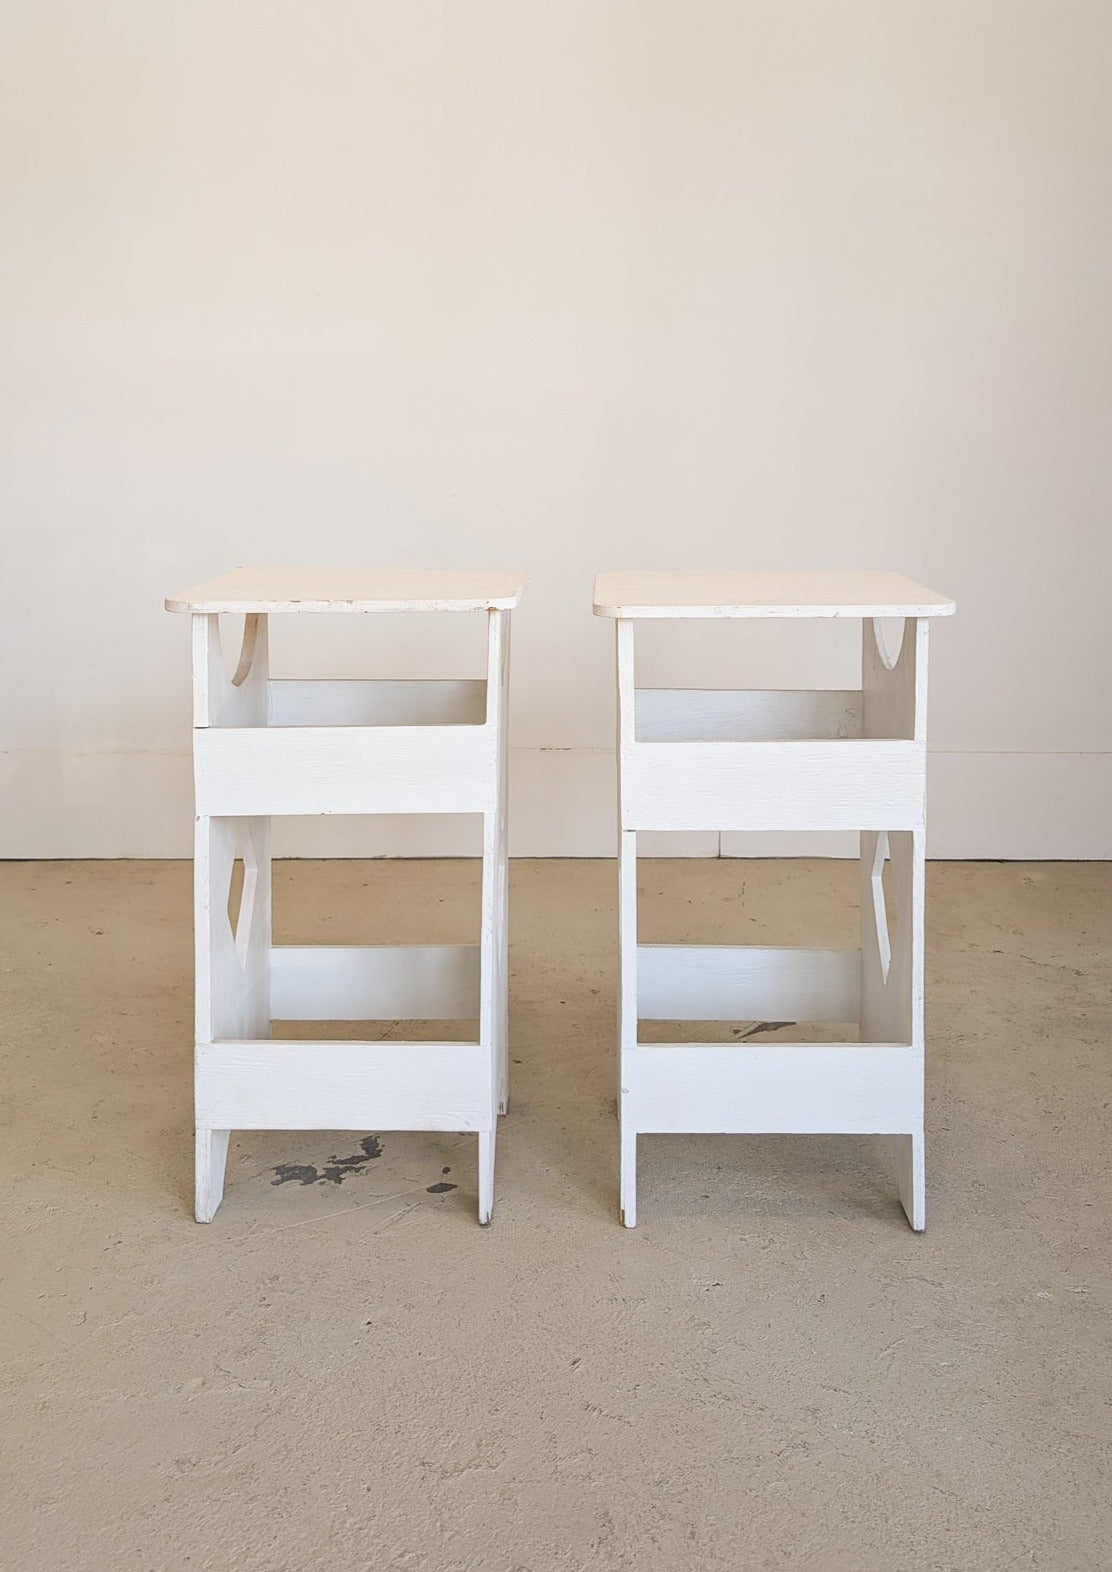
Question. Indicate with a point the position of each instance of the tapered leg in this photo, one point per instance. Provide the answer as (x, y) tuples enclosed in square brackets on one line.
[(493, 966), (502, 1029), (627, 1014), (912, 1178), (486, 1176), (212, 1157), (629, 1176), (501, 938), (502, 881)]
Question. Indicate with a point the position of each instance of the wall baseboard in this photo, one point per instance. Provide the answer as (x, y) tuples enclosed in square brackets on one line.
[(981, 805)]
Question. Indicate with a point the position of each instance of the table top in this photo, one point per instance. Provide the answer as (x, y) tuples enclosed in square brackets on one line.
[(835, 593), (352, 589)]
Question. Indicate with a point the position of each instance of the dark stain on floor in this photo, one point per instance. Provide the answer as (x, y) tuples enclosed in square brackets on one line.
[(335, 1171), (440, 1188)]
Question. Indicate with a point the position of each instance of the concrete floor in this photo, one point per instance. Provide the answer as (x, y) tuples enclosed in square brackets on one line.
[(344, 1371)]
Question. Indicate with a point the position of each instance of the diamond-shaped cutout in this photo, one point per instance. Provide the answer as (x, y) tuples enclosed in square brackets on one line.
[(880, 903), (242, 884)]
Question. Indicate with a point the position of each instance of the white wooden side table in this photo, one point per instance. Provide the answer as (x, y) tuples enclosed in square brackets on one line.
[(712, 759), (263, 747)]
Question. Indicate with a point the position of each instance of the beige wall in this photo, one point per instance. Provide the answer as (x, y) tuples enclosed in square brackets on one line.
[(559, 286)]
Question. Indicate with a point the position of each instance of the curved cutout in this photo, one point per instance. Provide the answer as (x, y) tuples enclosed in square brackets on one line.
[(247, 649), (888, 636)]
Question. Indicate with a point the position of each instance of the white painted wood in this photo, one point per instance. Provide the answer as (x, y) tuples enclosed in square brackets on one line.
[(775, 763), (344, 769), (307, 702), (343, 1086), (892, 956), (911, 1176), (232, 981), (501, 925), (211, 1162), (821, 785), (252, 624), (493, 965), (892, 997), (319, 748), (317, 982), (729, 715), (219, 700), (317, 590), (487, 1141), (746, 983), (494, 940), (628, 1167), (894, 699), (788, 594), (627, 1015), (790, 1088), (232, 970), (627, 927), (980, 805)]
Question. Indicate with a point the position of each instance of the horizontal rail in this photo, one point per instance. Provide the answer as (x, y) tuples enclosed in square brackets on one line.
[(789, 1089), (247, 771), (308, 702), (687, 982), (745, 715), (860, 784), (318, 982), (343, 1086)]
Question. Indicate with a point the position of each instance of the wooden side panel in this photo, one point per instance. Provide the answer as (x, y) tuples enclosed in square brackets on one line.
[(492, 961), (232, 968), (311, 702), (752, 715), (339, 769), (892, 982), (793, 1089), (750, 983), (822, 785), (892, 920), (894, 697), (317, 982), (627, 923), (220, 700), (343, 1086)]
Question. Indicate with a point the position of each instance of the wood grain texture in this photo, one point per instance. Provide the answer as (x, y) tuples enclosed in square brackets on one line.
[(789, 594), (789, 1088), (343, 1086), (428, 982), (822, 785), (301, 590), (344, 769), (720, 982), (745, 715), (321, 747), (704, 759), (355, 702)]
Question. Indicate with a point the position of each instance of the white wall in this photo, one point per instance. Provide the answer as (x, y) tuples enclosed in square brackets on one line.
[(563, 286)]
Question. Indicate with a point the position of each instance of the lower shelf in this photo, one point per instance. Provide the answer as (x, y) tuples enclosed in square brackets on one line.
[(782, 1088), (344, 1086), (324, 982), (722, 982)]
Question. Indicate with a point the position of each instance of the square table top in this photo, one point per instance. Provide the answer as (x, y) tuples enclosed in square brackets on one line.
[(352, 589), (833, 593)]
